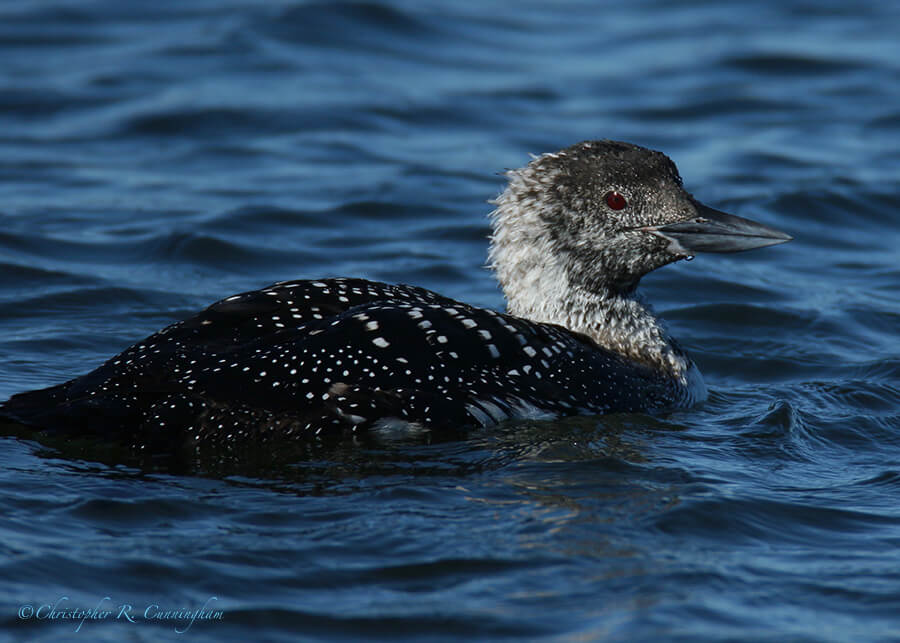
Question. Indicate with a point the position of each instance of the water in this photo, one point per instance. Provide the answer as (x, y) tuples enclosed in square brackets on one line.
[(156, 157)]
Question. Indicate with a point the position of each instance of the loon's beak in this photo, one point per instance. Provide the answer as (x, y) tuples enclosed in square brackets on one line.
[(714, 231)]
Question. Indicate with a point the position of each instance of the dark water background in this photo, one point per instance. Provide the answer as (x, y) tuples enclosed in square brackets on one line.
[(155, 157)]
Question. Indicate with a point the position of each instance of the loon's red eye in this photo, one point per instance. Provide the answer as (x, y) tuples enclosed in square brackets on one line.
[(615, 200)]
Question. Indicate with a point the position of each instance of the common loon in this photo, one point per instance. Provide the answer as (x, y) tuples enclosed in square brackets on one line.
[(573, 233)]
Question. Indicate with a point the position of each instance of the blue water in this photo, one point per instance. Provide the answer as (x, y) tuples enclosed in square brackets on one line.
[(155, 157)]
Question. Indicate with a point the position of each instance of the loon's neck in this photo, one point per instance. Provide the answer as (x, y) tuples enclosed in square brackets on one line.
[(620, 323)]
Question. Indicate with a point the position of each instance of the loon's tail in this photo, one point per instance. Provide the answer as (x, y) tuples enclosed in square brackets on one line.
[(39, 409), (54, 409)]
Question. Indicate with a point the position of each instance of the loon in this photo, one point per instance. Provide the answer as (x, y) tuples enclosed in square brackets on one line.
[(572, 234)]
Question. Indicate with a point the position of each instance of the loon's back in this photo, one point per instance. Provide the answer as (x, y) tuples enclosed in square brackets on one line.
[(324, 358)]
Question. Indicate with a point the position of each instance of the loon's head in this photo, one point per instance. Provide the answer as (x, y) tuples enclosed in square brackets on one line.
[(595, 218)]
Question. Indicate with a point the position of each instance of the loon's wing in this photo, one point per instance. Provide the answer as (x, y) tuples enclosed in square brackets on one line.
[(116, 395), (442, 366), (251, 315)]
